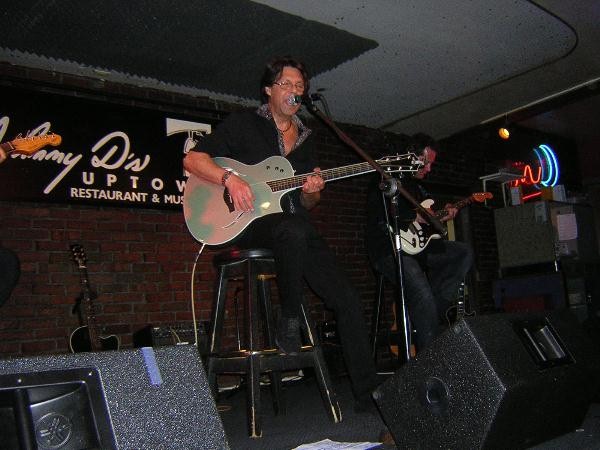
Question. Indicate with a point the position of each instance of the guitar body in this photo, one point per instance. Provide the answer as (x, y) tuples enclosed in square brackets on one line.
[(208, 209), (417, 236), (209, 212), (79, 341)]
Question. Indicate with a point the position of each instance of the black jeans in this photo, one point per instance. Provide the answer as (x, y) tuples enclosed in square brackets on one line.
[(431, 282), (302, 255)]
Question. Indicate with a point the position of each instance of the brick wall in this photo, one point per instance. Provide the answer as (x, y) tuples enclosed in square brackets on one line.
[(140, 261)]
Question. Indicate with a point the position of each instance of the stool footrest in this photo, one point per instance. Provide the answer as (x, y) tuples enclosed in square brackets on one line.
[(255, 269), (276, 362)]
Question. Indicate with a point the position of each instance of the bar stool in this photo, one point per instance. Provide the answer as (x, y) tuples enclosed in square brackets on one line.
[(255, 268), (394, 338)]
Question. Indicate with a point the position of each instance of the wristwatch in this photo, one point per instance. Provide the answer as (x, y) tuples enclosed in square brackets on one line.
[(225, 176)]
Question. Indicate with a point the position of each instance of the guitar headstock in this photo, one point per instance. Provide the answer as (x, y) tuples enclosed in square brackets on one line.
[(79, 255), (482, 196), (31, 144), (407, 162)]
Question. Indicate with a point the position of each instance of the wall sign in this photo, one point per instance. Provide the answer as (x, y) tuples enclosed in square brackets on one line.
[(110, 154), (544, 171)]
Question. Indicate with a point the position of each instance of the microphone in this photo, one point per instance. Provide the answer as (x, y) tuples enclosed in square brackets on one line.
[(294, 100), (305, 99)]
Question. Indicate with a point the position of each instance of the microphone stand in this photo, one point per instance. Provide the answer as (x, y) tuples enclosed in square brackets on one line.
[(391, 187)]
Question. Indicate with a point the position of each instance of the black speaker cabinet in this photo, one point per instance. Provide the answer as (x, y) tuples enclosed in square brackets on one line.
[(133, 399), (497, 381)]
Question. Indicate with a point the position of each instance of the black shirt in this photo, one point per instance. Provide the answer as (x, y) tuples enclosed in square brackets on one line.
[(251, 137)]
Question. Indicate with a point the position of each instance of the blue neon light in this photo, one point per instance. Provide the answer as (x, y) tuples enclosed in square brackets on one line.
[(549, 164)]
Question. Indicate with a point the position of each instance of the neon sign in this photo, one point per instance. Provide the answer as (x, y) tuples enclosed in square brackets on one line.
[(546, 173)]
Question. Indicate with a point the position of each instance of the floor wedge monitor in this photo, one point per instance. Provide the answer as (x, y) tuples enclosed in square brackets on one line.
[(130, 399), (496, 381)]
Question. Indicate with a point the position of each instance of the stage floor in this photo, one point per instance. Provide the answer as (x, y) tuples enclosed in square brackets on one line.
[(306, 421)]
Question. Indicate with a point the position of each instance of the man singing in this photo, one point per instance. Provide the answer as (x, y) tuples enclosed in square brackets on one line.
[(301, 254)]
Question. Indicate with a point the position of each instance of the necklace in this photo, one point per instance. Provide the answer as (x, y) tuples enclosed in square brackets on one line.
[(288, 127)]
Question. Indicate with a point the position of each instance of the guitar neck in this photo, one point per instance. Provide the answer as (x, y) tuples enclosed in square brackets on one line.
[(458, 205), (90, 310), (327, 175)]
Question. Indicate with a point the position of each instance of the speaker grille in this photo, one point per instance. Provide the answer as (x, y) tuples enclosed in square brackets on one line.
[(176, 412), (480, 386)]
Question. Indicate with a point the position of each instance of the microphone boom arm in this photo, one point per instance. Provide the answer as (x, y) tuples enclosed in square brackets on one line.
[(387, 178)]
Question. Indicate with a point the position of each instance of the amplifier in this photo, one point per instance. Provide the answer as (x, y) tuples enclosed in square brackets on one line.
[(171, 334)]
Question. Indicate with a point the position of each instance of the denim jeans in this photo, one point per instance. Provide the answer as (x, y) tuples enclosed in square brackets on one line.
[(431, 282)]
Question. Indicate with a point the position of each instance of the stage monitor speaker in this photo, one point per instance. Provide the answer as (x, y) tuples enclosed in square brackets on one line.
[(497, 381), (131, 399)]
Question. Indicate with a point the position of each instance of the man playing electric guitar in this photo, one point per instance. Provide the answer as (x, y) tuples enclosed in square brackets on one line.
[(433, 273)]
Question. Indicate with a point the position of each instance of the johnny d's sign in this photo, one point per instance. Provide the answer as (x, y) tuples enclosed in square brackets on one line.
[(109, 153)]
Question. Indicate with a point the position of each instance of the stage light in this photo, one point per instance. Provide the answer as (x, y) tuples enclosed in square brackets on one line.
[(504, 133)]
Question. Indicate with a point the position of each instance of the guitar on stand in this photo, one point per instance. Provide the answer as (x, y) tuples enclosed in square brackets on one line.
[(459, 309), (86, 337)]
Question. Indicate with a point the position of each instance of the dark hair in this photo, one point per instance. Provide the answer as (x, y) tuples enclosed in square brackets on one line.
[(420, 141), (273, 71)]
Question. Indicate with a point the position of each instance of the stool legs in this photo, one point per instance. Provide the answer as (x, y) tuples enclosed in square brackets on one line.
[(256, 357), (253, 395), (377, 314), (396, 335), (214, 344), (327, 393), (275, 375)]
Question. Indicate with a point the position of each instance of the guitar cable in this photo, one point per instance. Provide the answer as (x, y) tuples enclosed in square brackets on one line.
[(192, 295)]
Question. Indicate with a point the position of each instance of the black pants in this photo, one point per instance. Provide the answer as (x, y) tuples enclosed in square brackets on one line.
[(302, 255)]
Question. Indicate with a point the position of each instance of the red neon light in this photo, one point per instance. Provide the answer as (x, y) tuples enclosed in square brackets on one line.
[(528, 177), (535, 194)]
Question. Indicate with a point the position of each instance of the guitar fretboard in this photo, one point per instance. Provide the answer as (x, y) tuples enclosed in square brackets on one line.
[(327, 175), (458, 205)]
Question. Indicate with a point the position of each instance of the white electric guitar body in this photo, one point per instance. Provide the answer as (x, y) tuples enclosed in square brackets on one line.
[(418, 235)]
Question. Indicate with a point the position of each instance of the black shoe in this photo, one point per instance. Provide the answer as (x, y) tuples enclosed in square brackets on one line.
[(288, 335)]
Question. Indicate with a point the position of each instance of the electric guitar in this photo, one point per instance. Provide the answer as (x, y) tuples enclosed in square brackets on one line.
[(86, 338), (417, 236), (209, 211), (459, 309), (30, 145)]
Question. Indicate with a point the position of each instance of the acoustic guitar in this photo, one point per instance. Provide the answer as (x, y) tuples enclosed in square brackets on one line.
[(86, 337), (208, 208)]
